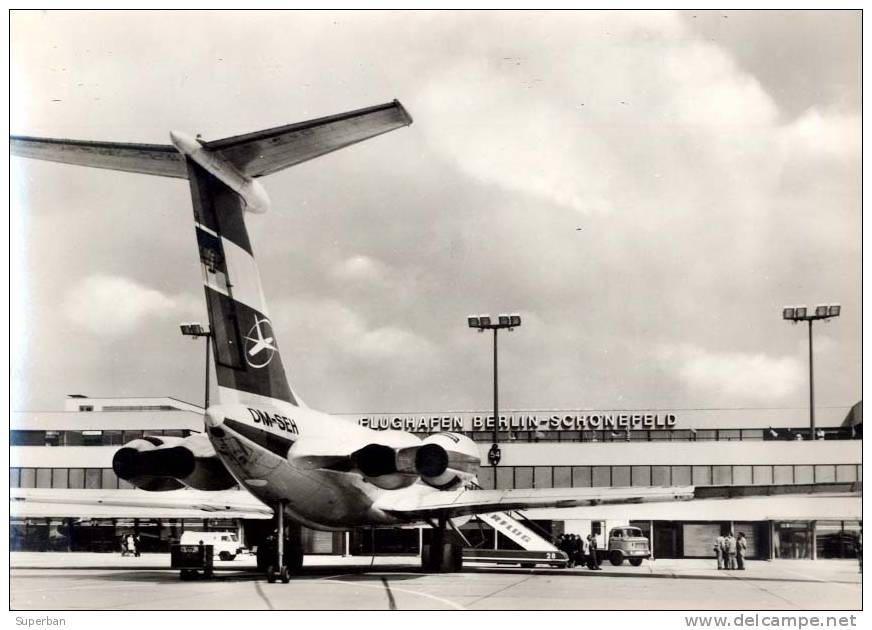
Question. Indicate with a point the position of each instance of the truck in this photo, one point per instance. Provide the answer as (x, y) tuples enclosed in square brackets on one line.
[(627, 543), (623, 542)]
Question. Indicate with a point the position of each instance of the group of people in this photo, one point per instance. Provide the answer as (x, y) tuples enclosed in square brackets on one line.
[(130, 545), (580, 551), (730, 551)]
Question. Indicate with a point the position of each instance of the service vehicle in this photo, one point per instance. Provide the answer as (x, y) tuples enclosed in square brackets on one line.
[(627, 543), (225, 545), (191, 560)]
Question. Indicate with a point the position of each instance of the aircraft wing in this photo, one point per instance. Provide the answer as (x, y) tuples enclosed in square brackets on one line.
[(253, 154), (420, 506), (79, 503)]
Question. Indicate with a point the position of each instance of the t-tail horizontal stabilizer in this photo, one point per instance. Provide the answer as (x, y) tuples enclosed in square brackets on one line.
[(222, 176)]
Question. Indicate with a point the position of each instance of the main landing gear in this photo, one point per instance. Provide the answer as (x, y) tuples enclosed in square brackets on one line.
[(282, 556), (444, 554)]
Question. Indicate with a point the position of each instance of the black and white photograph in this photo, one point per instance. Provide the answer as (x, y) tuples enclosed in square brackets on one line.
[(436, 310)]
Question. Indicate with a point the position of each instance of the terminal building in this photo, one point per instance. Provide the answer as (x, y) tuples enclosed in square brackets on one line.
[(71, 451)]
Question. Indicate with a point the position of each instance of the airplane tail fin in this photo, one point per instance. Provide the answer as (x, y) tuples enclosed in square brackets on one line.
[(222, 178)]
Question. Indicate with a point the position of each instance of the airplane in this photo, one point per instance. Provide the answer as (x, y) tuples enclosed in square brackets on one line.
[(307, 467)]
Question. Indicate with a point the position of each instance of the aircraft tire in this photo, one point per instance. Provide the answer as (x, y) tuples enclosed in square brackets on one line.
[(271, 574), (285, 575)]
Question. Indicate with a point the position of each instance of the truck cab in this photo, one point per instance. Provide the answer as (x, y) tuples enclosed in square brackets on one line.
[(627, 543)]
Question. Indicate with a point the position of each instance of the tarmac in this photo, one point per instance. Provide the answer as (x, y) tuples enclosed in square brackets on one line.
[(77, 581)]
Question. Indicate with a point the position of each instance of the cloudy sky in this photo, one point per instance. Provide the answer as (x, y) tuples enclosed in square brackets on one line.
[(646, 189)]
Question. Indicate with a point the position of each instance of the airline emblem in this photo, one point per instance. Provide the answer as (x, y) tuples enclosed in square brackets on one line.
[(259, 344)]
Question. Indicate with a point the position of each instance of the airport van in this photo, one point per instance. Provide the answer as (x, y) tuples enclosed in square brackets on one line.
[(225, 545)]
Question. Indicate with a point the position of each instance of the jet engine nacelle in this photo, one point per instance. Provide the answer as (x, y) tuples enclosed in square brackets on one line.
[(384, 465), (444, 460), (161, 463), (447, 460)]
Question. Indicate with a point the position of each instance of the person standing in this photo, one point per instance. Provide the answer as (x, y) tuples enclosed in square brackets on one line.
[(731, 551), (578, 550), (719, 551), (594, 557), (563, 545), (741, 548)]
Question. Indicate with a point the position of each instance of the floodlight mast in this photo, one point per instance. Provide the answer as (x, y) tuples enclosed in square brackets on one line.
[(481, 323), (797, 314)]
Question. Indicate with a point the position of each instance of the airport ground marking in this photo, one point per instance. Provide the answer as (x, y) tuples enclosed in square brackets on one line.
[(448, 602)]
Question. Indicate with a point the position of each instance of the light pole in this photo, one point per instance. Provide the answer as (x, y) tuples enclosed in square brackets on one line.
[(197, 330), (482, 323), (801, 314)]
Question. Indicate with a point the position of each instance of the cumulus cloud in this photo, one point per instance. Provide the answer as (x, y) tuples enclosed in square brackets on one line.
[(732, 376), (824, 135), (565, 128), (341, 328), (114, 306), (361, 269)]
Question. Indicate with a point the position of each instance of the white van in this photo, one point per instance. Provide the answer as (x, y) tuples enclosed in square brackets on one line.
[(225, 545)]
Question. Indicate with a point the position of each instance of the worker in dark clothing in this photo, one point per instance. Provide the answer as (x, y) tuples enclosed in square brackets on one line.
[(578, 550), (563, 545), (593, 559)]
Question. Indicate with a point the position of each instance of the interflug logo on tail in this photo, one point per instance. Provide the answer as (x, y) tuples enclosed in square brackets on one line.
[(259, 345)]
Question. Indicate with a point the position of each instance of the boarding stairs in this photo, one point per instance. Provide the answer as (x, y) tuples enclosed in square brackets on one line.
[(536, 547)]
